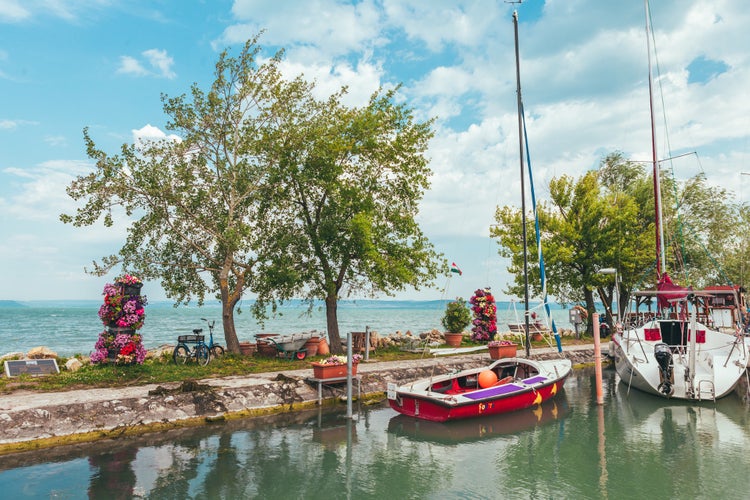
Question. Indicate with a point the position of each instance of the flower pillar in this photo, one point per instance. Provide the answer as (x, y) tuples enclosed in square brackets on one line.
[(122, 314), (485, 315)]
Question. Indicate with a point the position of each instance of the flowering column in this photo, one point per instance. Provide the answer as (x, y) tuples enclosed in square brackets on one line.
[(122, 314), (485, 315)]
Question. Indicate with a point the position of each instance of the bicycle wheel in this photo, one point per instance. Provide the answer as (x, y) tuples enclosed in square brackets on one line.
[(202, 355), (180, 354), (217, 351)]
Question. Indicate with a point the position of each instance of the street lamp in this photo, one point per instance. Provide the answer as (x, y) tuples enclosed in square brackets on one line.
[(742, 260)]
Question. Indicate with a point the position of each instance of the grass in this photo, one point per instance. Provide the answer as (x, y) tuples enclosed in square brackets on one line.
[(162, 370)]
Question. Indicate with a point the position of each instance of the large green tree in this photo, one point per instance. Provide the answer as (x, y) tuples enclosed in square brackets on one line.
[(584, 228), (605, 219), (192, 200), (266, 189), (341, 202)]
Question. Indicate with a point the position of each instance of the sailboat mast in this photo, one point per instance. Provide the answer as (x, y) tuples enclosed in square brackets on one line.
[(660, 253), (523, 193)]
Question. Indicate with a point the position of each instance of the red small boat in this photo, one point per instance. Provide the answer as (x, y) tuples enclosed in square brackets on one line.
[(506, 385)]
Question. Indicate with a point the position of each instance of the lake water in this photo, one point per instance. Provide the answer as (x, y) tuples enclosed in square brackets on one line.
[(633, 446), (72, 327)]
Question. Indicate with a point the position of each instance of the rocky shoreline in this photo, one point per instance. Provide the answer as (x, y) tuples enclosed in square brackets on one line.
[(33, 420)]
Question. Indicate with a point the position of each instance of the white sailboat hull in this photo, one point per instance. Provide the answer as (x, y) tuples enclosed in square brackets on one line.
[(720, 361)]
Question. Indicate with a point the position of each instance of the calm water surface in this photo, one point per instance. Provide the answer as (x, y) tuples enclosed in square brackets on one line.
[(634, 446)]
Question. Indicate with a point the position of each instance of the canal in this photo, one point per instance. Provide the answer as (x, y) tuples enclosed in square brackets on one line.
[(633, 446)]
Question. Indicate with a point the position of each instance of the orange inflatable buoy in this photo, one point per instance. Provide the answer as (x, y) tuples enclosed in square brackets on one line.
[(487, 378)]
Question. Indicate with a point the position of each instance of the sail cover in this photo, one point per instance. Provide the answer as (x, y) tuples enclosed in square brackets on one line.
[(669, 291)]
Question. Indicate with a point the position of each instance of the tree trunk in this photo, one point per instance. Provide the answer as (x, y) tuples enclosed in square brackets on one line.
[(227, 320), (591, 308), (332, 322), (229, 300)]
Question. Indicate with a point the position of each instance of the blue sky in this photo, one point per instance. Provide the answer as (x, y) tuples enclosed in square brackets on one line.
[(103, 64)]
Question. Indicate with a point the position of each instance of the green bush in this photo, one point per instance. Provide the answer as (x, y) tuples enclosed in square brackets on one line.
[(457, 316)]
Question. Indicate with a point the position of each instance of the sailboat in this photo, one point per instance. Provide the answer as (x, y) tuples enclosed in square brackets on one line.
[(693, 346), (506, 385)]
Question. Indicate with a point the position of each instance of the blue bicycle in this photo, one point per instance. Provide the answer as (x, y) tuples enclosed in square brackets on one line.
[(200, 352), (217, 350)]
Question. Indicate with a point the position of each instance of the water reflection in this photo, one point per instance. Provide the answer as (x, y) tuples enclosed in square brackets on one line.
[(633, 445), (463, 431)]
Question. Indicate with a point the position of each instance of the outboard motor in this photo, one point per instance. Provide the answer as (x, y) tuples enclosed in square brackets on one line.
[(663, 355)]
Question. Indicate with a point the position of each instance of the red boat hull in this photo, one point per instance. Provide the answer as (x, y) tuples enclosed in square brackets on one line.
[(437, 410)]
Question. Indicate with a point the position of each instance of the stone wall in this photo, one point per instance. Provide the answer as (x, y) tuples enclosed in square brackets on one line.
[(34, 420)]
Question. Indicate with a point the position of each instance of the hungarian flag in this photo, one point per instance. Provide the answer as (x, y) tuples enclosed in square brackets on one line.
[(455, 269)]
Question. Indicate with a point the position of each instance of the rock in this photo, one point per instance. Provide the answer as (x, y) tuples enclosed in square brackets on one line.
[(12, 355), (73, 364), (41, 352)]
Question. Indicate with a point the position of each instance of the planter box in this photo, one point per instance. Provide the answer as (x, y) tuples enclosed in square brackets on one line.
[(503, 351), (321, 371)]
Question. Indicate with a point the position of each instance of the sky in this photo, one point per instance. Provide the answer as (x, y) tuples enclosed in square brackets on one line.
[(104, 64)]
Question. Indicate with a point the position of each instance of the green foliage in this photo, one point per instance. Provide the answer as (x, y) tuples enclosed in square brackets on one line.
[(457, 316), (265, 189), (605, 219)]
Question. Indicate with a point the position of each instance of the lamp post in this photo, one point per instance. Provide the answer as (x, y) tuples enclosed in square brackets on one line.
[(742, 260)]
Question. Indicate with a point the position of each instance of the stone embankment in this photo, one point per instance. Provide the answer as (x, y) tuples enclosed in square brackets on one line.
[(30, 420)]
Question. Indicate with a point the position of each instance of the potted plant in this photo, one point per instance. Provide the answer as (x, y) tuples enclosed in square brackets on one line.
[(335, 366), (502, 349), (457, 317), (485, 315)]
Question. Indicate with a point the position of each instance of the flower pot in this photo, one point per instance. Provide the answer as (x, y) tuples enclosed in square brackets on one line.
[(537, 337), (312, 346), (134, 289), (322, 371), (265, 348), (323, 348), (502, 351), (453, 339), (116, 330), (247, 348)]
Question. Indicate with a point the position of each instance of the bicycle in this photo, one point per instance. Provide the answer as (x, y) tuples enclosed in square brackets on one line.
[(217, 350), (182, 352)]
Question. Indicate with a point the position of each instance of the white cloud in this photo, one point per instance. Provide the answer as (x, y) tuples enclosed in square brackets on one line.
[(39, 192), (131, 66), (161, 61), (13, 11), (155, 58), (150, 133)]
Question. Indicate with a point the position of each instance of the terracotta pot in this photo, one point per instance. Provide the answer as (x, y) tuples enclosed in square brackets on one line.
[(453, 339), (248, 349), (502, 351), (312, 346), (322, 371), (323, 348), (265, 348), (536, 337)]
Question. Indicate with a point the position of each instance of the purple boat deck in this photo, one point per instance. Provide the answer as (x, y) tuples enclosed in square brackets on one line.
[(502, 390)]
